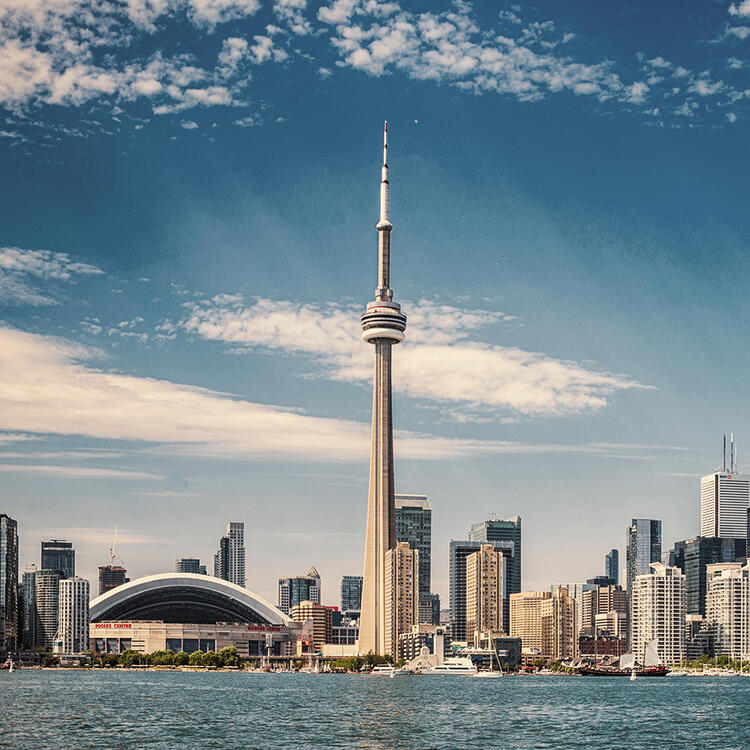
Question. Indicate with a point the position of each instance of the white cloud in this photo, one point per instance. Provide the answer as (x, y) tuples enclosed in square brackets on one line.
[(75, 472), (740, 9), (17, 266), (438, 363)]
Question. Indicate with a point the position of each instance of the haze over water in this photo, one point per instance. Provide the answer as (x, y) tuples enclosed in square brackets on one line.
[(259, 711)]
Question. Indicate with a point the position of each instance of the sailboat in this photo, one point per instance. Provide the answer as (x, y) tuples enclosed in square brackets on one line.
[(491, 672), (651, 667)]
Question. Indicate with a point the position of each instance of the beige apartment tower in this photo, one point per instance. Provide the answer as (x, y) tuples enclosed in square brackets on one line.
[(401, 594), (383, 325), (547, 624), (484, 591)]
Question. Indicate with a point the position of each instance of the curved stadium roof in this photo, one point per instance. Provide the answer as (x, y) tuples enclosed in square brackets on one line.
[(185, 598)]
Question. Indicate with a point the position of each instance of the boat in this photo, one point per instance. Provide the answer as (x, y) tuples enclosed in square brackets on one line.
[(454, 665), (383, 670), (491, 672), (651, 667), (7, 665)]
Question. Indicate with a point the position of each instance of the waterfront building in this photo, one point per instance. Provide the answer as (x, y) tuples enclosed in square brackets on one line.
[(526, 618), (59, 555), (296, 589), (697, 636), (603, 645), (229, 561), (9, 612), (424, 635), (658, 608), (28, 607), (458, 552), (345, 632), (643, 547), (429, 609), (576, 591), (401, 593), (725, 499), (321, 618), (110, 577), (189, 612), (612, 565), (728, 609), (484, 592), (383, 325), (73, 628), (546, 623), (351, 593), (189, 565), (693, 556), (47, 605)]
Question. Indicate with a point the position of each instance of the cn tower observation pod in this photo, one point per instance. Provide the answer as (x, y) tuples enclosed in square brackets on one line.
[(185, 598)]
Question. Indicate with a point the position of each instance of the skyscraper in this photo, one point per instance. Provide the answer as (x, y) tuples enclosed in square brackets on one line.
[(47, 604), (414, 526), (657, 606), (110, 577), (189, 565), (692, 557), (229, 561), (73, 628), (458, 552), (728, 609), (402, 594), (612, 565), (383, 325), (643, 547), (484, 591), (294, 590), (8, 582), (506, 530), (351, 593), (526, 618), (59, 555), (28, 611), (725, 499)]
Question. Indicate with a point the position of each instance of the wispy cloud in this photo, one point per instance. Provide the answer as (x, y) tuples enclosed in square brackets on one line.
[(102, 536), (75, 472), (439, 362), (18, 266)]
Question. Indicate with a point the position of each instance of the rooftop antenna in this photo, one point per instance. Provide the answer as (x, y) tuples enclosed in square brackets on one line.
[(724, 453), (732, 464)]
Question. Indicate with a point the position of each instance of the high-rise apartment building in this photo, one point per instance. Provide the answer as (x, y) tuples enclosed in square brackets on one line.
[(526, 618), (351, 593), (401, 593), (692, 556), (600, 601), (643, 547), (612, 565), (506, 530), (321, 621), (229, 561), (458, 552), (189, 565), (8, 583), (728, 609), (296, 589), (658, 602), (28, 608), (110, 577), (73, 628), (546, 623), (484, 592), (59, 555), (47, 604), (725, 499)]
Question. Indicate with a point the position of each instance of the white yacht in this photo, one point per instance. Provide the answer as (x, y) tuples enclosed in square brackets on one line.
[(459, 665), (384, 670)]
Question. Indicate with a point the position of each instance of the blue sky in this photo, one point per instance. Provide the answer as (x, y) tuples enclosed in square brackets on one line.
[(188, 207)]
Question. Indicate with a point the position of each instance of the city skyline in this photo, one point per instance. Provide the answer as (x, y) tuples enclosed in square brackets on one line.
[(179, 342)]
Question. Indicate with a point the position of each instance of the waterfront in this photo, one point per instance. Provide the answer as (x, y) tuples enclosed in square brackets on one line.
[(210, 710)]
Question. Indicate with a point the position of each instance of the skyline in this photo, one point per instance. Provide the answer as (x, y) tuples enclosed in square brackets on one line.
[(572, 275)]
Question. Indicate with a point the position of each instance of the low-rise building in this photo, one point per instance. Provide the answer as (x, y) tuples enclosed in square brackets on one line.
[(420, 636)]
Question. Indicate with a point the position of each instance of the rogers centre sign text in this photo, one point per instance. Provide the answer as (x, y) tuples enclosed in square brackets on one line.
[(113, 625)]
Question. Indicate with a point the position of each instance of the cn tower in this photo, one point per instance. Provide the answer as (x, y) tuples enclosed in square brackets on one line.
[(383, 324)]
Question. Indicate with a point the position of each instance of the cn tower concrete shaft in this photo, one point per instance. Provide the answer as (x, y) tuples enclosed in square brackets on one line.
[(383, 324)]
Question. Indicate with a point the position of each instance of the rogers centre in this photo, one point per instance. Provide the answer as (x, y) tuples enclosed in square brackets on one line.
[(189, 612)]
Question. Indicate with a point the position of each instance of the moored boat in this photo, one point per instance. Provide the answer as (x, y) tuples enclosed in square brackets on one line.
[(627, 667)]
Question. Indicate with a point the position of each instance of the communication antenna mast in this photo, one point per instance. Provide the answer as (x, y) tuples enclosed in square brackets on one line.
[(732, 464), (724, 453)]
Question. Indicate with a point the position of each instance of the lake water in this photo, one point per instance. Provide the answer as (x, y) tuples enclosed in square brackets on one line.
[(110, 709)]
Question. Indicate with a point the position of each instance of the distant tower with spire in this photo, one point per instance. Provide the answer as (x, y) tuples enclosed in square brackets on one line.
[(383, 324)]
